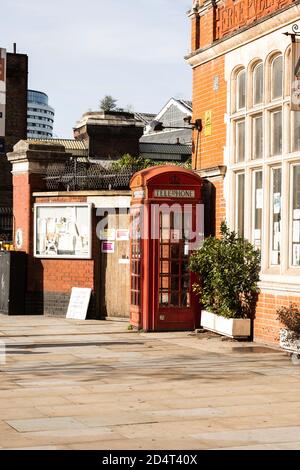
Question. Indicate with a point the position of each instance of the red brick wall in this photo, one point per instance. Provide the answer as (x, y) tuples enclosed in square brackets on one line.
[(49, 281), (205, 98), (211, 147)]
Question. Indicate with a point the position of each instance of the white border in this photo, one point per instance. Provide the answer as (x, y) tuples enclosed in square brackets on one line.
[(63, 204)]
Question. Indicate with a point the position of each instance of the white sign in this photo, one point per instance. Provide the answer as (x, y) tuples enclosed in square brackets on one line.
[(178, 193), (122, 234), (296, 231), (79, 303), (259, 199), (139, 194), (108, 234)]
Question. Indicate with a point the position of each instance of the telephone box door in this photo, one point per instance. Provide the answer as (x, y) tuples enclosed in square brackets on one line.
[(175, 306)]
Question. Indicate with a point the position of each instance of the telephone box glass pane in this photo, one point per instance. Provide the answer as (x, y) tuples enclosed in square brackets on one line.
[(174, 276)]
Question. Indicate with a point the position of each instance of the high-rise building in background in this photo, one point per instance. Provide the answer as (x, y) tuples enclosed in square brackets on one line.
[(40, 116)]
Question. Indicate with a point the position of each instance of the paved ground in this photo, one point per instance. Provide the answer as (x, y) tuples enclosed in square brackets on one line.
[(94, 385)]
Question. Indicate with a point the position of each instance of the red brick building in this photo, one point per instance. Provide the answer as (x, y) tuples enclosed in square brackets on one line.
[(249, 148)]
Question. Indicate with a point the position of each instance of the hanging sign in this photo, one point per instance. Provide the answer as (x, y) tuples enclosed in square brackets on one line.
[(295, 75)]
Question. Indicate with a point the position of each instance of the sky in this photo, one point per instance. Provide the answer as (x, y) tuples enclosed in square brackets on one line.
[(81, 50)]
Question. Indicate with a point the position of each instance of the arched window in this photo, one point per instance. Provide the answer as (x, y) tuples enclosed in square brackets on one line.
[(241, 90), (277, 77), (258, 84)]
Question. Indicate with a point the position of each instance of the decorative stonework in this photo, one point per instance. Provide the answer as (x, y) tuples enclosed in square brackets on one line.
[(233, 15)]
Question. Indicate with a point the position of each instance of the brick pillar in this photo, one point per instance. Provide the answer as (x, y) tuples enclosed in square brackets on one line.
[(195, 38), (207, 23), (29, 167)]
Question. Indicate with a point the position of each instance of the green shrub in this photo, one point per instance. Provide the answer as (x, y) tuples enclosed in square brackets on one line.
[(228, 268), (290, 317)]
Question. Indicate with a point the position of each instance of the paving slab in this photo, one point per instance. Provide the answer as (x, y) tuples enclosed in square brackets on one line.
[(95, 385)]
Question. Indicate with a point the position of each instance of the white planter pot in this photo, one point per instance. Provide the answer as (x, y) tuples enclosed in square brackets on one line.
[(232, 327), (289, 341)]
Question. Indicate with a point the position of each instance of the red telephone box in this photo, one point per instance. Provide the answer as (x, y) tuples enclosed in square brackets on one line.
[(166, 226)]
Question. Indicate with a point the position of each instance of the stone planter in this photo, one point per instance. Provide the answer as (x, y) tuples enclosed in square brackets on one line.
[(290, 342), (232, 327)]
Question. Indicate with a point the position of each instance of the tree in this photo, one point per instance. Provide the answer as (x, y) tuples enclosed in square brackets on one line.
[(127, 161), (108, 103), (228, 268)]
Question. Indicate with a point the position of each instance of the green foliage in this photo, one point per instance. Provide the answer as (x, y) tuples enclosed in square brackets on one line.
[(229, 271), (108, 103), (127, 161), (290, 317)]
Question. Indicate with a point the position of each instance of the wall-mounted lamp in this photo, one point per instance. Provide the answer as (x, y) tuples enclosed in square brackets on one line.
[(157, 126)]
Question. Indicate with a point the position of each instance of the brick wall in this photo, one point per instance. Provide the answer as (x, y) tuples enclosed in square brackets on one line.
[(16, 118), (211, 147), (50, 281)]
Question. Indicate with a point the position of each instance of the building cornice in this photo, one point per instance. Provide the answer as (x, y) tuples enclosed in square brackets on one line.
[(245, 35)]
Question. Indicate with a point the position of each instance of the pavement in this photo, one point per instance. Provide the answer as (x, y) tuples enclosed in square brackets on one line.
[(68, 384)]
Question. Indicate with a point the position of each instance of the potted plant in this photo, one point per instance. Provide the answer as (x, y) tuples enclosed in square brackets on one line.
[(289, 338), (228, 268)]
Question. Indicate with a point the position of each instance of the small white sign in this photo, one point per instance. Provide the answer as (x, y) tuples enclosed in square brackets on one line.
[(257, 234), (122, 234), (276, 203), (296, 231), (139, 194), (79, 303), (123, 260), (259, 199), (296, 214), (108, 234)]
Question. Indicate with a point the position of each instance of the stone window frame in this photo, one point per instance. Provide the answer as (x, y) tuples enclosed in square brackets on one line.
[(286, 160)]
